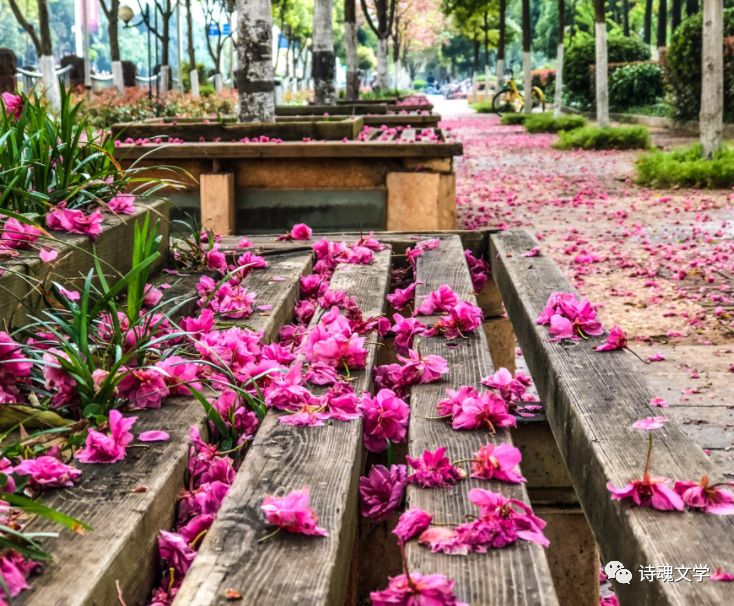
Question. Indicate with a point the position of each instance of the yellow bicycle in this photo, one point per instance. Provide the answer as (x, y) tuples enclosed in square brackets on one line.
[(510, 99)]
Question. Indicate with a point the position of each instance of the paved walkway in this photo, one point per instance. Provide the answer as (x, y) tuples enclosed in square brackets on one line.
[(658, 263)]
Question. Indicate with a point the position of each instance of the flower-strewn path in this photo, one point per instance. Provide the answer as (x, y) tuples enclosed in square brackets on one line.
[(658, 263)]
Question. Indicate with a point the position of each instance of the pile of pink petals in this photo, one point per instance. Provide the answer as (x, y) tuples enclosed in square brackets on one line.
[(569, 317)]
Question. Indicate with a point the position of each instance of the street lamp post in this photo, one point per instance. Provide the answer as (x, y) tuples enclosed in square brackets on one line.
[(126, 15)]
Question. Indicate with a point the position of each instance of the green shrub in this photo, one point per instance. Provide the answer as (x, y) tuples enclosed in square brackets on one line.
[(546, 123), (513, 118), (609, 137), (581, 56), (482, 107), (419, 85), (635, 84), (686, 167), (683, 67)]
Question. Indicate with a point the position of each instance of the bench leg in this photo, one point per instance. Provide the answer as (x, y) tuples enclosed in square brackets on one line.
[(573, 555), (218, 202), (497, 327), (420, 201)]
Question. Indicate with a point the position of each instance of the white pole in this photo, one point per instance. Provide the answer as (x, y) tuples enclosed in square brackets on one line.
[(559, 81), (85, 45), (179, 30), (602, 75)]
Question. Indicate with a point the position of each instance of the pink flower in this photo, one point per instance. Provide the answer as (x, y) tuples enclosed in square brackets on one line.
[(417, 590), (509, 388), (442, 299), (411, 523), (143, 387), (659, 402), (102, 448), (402, 297), (722, 576), (56, 380), (122, 204), (301, 231), (178, 373), (433, 469), (292, 513), (497, 463), (707, 498), (216, 261), (14, 569), (195, 528), (405, 330), (649, 423), (14, 107), (568, 317), (47, 472), (422, 369), (18, 235), (74, 221), (533, 252), (151, 296), (656, 357), (616, 339), (486, 411), (176, 552), (648, 492), (385, 418), (381, 491)]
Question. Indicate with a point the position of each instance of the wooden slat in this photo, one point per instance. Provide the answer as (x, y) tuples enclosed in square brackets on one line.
[(353, 149), (123, 544), (591, 400), (519, 574), (407, 135), (288, 568)]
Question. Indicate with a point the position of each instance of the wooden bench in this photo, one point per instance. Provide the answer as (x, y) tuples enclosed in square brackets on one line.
[(591, 400), (400, 183), (127, 503), (283, 458)]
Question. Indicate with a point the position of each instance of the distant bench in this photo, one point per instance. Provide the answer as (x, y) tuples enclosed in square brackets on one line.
[(396, 180)]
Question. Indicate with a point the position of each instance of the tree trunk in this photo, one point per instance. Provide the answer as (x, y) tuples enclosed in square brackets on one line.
[(46, 60), (711, 118), (323, 66), (626, 17), (647, 28), (382, 77), (166, 35), (662, 23), (676, 13), (501, 47), (692, 7), (527, 77), (191, 52), (558, 97), (350, 49), (602, 67), (255, 85), (475, 60)]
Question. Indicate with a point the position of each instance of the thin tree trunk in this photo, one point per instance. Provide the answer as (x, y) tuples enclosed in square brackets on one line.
[(486, 55), (647, 28), (602, 67), (626, 17), (711, 118), (662, 23), (191, 52), (46, 59), (255, 85), (501, 47), (382, 76), (475, 61), (558, 100), (350, 49), (527, 77), (323, 66)]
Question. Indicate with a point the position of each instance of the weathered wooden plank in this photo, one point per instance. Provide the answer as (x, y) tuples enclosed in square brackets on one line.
[(314, 149), (125, 517), (407, 135), (519, 574), (475, 240), (591, 400), (331, 110), (348, 128), (19, 291), (288, 568)]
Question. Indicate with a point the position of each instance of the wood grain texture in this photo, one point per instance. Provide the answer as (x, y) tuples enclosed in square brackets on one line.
[(355, 149), (123, 544), (20, 294), (591, 400), (291, 569), (516, 575)]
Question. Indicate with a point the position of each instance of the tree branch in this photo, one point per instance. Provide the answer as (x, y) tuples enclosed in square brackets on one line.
[(26, 25)]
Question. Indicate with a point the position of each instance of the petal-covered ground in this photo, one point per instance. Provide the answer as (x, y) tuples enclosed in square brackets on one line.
[(658, 263)]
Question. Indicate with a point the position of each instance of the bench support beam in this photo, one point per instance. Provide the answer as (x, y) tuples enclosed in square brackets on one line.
[(218, 202)]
